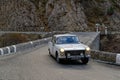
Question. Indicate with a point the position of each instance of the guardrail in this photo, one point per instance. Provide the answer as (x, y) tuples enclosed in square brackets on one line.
[(23, 46)]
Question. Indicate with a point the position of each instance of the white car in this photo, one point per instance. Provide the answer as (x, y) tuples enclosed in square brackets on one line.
[(68, 46)]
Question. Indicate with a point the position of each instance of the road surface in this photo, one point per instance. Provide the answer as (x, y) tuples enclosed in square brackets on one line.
[(38, 65)]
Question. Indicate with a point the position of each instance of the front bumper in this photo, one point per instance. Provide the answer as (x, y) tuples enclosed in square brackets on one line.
[(74, 54), (76, 57)]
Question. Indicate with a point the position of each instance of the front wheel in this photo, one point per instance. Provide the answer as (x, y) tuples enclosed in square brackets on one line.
[(57, 58), (49, 52), (85, 60)]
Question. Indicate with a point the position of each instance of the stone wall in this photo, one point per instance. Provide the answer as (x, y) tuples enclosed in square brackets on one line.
[(109, 57), (104, 56)]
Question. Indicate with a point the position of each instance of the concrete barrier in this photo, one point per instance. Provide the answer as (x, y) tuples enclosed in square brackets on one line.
[(23, 46), (106, 56), (95, 43), (118, 59), (92, 39)]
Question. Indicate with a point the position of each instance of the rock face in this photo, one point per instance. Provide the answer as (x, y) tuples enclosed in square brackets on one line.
[(25, 15), (65, 15), (19, 15), (104, 12), (59, 15)]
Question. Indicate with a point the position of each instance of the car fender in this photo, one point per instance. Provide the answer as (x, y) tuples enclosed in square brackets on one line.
[(56, 49)]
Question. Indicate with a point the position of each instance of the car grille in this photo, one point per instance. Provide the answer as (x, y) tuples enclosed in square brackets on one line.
[(75, 52)]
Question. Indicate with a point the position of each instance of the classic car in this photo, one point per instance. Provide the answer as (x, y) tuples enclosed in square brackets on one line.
[(68, 47)]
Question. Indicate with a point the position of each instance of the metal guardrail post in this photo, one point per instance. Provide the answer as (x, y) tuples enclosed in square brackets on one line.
[(118, 59), (8, 48), (2, 52), (106, 31), (97, 27)]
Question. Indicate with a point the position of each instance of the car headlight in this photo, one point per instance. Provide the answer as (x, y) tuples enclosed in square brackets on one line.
[(62, 50), (87, 49)]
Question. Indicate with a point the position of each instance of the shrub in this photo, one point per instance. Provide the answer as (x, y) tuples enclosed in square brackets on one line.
[(15, 38), (110, 11), (12, 39)]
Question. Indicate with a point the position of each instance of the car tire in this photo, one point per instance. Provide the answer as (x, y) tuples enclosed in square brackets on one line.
[(49, 52), (85, 60), (57, 58)]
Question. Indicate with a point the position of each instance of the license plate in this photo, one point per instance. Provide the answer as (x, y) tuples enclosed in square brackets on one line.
[(75, 57)]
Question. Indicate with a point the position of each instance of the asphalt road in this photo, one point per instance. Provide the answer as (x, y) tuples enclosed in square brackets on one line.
[(38, 65)]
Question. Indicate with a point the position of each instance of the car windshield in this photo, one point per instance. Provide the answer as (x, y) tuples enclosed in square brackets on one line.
[(67, 40)]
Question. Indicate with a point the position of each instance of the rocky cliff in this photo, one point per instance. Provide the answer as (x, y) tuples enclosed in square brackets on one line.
[(21, 15), (104, 12), (66, 15), (61, 15)]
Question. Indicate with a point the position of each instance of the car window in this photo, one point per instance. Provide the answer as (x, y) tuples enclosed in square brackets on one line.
[(67, 40)]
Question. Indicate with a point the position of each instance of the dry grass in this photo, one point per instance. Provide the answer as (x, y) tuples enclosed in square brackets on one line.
[(111, 43), (12, 39), (69, 6)]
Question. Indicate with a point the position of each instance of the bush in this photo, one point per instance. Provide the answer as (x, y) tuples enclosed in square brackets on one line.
[(110, 11), (12, 39)]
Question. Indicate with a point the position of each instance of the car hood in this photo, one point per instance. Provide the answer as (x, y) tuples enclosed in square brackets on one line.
[(72, 46)]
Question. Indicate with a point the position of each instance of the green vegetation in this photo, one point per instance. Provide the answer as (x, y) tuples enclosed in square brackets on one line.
[(110, 11), (100, 11), (97, 11)]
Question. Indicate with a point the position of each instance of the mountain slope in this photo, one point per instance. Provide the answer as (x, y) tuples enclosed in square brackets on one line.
[(61, 15)]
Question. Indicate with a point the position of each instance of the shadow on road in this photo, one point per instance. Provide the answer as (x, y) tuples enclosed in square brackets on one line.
[(70, 64)]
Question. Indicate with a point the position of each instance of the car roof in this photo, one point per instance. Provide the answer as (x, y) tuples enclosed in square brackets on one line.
[(59, 35)]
